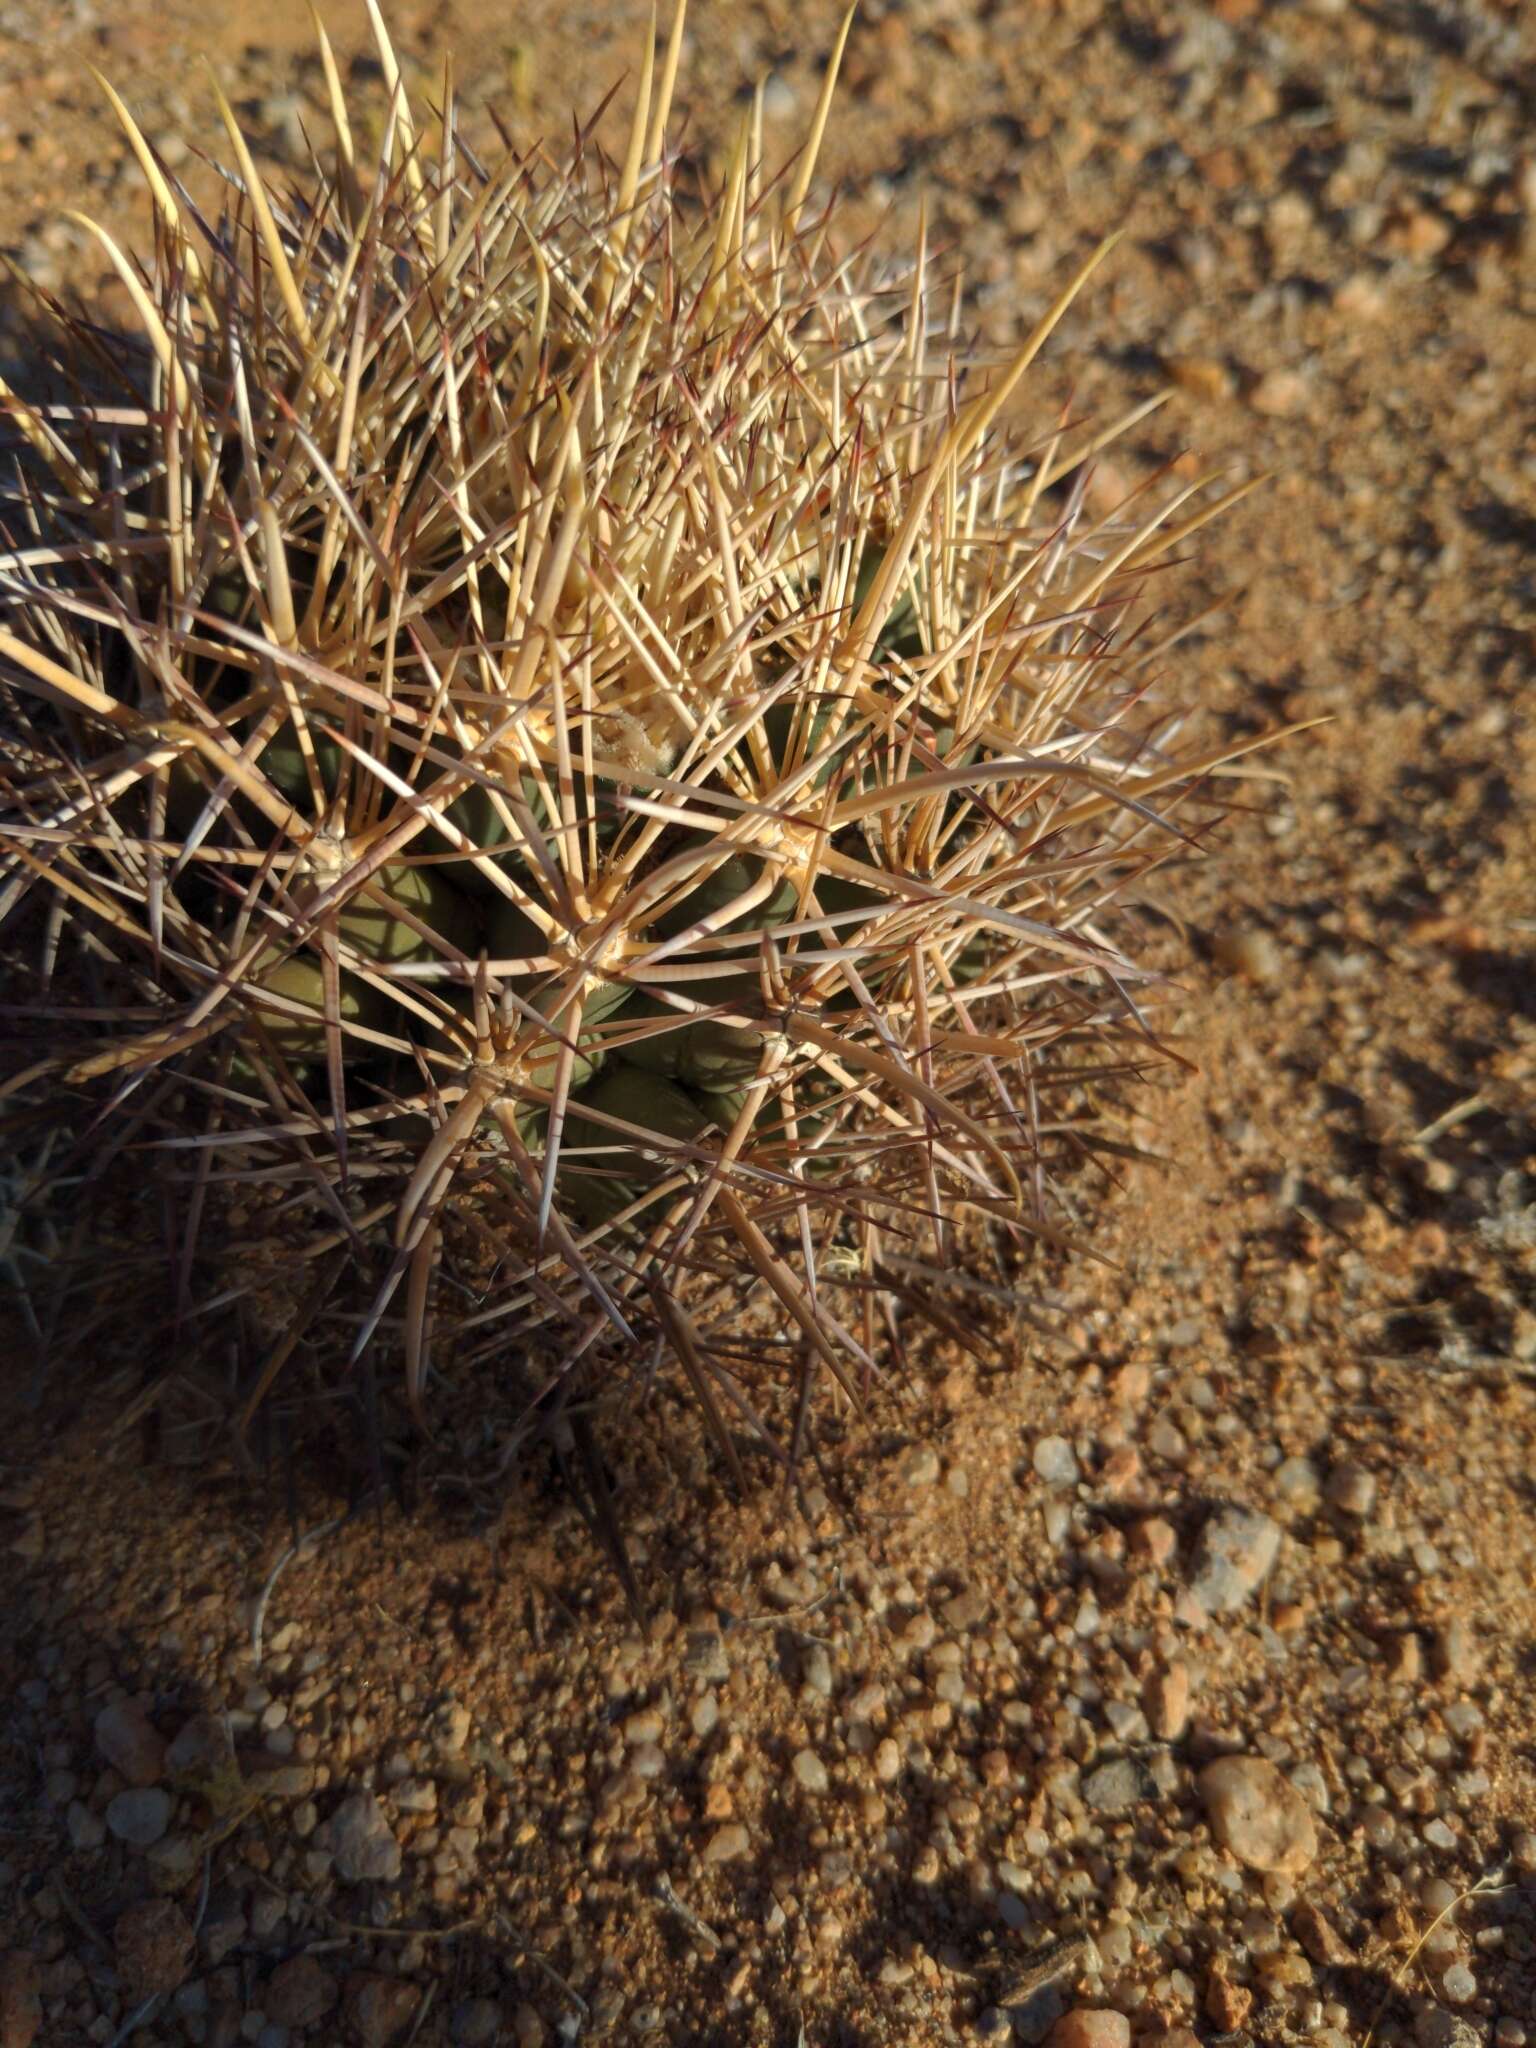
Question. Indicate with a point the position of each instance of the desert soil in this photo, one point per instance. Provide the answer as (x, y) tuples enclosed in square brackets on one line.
[(1260, 1489)]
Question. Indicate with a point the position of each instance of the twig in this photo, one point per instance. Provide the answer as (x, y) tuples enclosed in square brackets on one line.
[(394, 1620), (258, 1619), (94, 1934), (668, 1896), (399, 1933), (202, 1896), (543, 1963), (780, 1618), (74, 1913), (135, 2020), (1487, 1885), (1067, 1957), (803, 1636), (421, 2012), (1470, 1106)]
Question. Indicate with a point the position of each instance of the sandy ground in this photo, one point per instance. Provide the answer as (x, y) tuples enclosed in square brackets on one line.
[(961, 1697)]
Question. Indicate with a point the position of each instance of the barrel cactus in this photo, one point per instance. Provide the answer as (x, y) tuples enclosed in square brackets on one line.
[(574, 751)]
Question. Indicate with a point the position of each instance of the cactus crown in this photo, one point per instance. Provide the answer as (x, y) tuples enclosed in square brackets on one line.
[(571, 739)]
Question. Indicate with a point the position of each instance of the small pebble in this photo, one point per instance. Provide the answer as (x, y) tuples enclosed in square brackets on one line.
[(704, 1656), (450, 1727), (1236, 1549), (1166, 1700), (962, 1612), (727, 1843), (1258, 1815), (1155, 1540), (360, 1839), (1091, 2027), (380, 2009), (171, 1861), (201, 1750), (130, 1742), (266, 1914), (87, 1830), (920, 1466), (1405, 1663), (139, 1817), (1458, 1985), (1436, 2028), (816, 1671), (1127, 1723), (299, 1993), (476, 2023), (1320, 1938), (810, 1772), (1115, 1786), (1454, 1652), (1360, 299), (153, 1943), (1249, 950), (1352, 1490), (1279, 394), (1202, 377), (1055, 1462)]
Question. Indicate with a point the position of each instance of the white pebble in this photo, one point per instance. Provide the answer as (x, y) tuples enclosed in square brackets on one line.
[(1459, 1985), (810, 1772), (1055, 1461)]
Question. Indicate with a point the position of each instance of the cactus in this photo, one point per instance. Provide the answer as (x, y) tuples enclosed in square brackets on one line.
[(586, 743)]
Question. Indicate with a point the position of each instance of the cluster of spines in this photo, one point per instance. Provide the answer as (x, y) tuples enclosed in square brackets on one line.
[(604, 756)]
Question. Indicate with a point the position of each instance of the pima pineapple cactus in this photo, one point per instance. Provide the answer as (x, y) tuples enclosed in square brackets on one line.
[(571, 738)]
